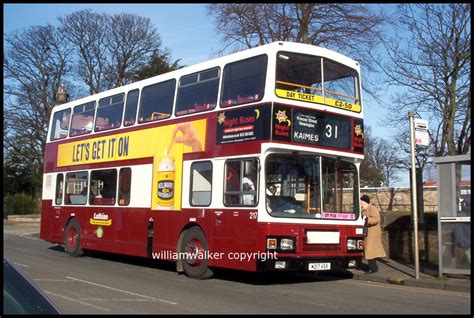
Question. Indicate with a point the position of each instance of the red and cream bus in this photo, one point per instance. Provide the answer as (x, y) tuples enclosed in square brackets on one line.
[(249, 161)]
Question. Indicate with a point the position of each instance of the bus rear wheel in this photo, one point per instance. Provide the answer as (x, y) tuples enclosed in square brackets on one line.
[(72, 238), (195, 247)]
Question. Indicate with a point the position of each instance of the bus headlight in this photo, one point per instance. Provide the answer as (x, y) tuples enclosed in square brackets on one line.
[(351, 245), (281, 244), (287, 244)]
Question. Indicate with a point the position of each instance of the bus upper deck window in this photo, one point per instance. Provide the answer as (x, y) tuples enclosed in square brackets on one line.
[(131, 108), (157, 101), (60, 124), (297, 72), (197, 92), (244, 81), (82, 119), (109, 112), (340, 82)]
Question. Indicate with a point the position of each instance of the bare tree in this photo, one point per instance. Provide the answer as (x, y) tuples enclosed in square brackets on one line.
[(36, 62), (133, 40), (423, 154), (111, 49), (330, 25), (379, 167), (381, 161), (89, 33), (385, 158), (370, 174), (433, 67), (352, 29)]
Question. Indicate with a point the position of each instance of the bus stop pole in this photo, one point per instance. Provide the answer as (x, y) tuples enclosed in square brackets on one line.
[(413, 194)]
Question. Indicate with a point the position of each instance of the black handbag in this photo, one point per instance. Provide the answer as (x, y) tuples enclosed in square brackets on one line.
[(366, 227)]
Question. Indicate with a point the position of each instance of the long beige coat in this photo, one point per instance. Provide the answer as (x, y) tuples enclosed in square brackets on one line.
[(373, 247)]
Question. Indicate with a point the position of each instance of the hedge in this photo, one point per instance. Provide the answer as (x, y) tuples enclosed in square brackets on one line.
[(20, 203)]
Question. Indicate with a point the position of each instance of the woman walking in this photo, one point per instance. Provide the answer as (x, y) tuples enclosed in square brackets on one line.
[(373, 248)]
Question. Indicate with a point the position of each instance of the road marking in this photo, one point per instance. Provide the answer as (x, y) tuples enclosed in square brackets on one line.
[(123, 291), (22, 264), (115, 299), (75, 300), (52, 280), (25, 235)]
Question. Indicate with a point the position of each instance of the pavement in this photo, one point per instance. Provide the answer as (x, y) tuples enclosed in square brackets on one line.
[(390, 271), (401, 273)]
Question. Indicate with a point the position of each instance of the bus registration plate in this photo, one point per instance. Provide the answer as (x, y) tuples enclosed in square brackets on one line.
[(319, 266)]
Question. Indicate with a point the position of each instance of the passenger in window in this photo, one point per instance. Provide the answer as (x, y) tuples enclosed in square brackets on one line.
[(248, 185), (94, 194), (232, 185), (232, 180)]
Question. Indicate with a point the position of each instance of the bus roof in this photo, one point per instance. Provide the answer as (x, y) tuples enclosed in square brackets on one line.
[(221, 61)]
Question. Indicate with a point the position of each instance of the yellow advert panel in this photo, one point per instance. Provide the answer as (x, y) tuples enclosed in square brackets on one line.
[(165, 144)]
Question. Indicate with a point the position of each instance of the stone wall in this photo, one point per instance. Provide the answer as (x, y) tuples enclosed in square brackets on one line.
[(399, 199), (397, 236)]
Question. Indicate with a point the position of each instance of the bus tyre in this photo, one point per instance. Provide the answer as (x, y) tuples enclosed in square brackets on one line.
[(195, 247), (72, 238)]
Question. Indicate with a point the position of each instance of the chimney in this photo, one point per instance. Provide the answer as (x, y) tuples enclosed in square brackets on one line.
[(62, 96)]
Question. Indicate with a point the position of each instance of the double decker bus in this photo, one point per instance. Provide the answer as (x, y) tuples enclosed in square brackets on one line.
[(248, 161)]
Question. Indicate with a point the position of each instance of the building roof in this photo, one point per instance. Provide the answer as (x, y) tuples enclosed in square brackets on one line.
[(464, 183)]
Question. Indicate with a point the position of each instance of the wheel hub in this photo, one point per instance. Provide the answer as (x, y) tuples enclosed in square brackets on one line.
[(194, 253)]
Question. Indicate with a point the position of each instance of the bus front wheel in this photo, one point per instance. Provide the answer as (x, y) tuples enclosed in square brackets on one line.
[(195, 249), (72, 238)]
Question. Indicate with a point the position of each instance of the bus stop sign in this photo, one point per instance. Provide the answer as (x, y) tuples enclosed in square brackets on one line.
[(421, 132)]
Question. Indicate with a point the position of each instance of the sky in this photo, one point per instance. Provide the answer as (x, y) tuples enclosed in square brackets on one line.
[(185, 29)]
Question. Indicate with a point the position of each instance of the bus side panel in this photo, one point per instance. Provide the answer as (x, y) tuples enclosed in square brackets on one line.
[(49, 229), (234, 238), (107, 229), (133, 230), (168, 226)]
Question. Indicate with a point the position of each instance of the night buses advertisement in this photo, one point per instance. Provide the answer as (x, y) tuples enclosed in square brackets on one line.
[(166, 144), (246, 124)]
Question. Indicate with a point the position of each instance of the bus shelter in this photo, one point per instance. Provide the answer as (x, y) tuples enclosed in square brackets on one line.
[(454, 214)]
